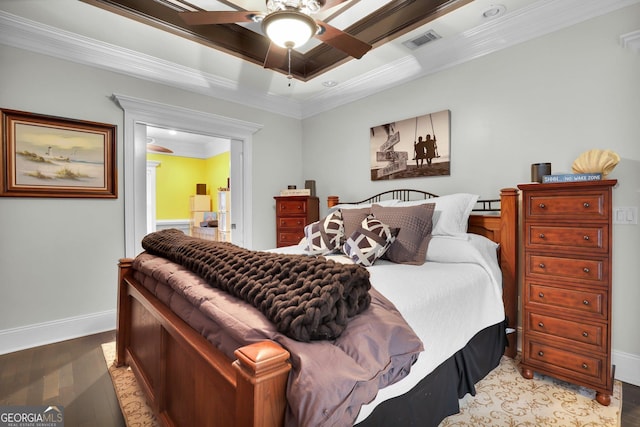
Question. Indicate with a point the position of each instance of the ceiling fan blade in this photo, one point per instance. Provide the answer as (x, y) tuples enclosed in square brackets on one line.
[(342, 41), (217, 17), (158, 148), (276, 57)]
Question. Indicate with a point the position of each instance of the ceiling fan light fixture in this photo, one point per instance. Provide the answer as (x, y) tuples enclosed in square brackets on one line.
[(289, 28), (305, 6)]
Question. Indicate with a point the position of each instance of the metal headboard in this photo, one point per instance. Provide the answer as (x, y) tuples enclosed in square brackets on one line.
[(489, 205), (401, 194)]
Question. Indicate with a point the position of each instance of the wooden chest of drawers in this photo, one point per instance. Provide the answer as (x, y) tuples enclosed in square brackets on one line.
[(293, 213), (566, 299)]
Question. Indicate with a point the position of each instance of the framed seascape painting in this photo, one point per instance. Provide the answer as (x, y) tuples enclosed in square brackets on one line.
[(46, 156), (410, 148)]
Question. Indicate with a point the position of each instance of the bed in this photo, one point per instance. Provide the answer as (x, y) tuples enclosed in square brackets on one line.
[(188, 381)]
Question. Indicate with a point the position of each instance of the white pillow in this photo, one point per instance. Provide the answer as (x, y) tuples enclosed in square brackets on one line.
[(476, 249), (451, 215), (391, 202), (446, 249)]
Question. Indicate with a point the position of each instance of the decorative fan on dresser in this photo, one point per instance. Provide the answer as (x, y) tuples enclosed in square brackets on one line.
[(288, 24)]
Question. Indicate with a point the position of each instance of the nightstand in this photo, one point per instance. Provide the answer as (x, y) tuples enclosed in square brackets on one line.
[(566, 299), (293, 213)]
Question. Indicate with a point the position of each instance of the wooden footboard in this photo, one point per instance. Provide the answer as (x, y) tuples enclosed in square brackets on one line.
[(187, 381)]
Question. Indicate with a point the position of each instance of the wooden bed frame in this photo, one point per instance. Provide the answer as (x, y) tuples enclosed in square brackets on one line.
[(188, 382)]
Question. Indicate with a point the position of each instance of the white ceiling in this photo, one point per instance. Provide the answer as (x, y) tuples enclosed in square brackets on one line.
[(187, 144), (86, 34)]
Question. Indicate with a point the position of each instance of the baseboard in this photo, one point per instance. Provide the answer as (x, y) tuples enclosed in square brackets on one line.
[(627, 364), (180, 224), (627, 367), (55, 331)]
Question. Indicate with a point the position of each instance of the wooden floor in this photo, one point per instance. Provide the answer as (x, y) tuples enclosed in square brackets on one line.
[(73, 374)]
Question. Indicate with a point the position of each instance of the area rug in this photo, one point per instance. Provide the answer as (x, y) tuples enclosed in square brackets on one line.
[(132, 402), (503, 398)]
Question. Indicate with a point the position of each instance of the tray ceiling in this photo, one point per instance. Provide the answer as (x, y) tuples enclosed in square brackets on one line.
[(373, 21)]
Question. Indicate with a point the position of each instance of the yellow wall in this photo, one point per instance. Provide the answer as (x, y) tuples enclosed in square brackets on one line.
[(176, 180), (218, 169)]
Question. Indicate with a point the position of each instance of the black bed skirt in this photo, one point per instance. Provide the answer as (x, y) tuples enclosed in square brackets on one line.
[(436, 396)]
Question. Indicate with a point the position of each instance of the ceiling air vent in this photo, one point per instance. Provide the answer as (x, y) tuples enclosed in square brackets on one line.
[(422, 39)]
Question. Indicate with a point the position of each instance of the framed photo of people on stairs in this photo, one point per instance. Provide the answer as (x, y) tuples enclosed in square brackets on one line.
[(411, 148)]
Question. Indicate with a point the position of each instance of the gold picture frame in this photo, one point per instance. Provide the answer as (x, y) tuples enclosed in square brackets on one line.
[(47, 156)]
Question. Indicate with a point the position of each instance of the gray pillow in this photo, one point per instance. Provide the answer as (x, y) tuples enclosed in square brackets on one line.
[(352, 218), (414, 224)]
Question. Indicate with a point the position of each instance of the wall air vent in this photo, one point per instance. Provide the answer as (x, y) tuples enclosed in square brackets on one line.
[(422, 39)]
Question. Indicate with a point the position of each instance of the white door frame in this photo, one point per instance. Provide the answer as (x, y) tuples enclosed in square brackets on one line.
[(135, 163), (152, 166)]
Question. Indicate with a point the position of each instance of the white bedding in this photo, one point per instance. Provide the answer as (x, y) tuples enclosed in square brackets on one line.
[(447, 300)]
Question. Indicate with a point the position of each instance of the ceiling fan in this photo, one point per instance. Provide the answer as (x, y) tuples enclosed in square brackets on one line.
[(151, 146), (288, 24)]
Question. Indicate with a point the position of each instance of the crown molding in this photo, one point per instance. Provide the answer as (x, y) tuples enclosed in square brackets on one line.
[(631, 41), (538, 19), (33, 36)]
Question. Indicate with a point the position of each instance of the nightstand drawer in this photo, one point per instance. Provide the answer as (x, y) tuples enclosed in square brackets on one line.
[(578, 302), (592, 270), (292, 222), (568, 362), (592, 238), (586, 205), (292, 207), (578, 332), (288, 238)]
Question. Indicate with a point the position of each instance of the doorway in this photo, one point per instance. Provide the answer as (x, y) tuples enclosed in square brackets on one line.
[(137, 114), (177, 163)]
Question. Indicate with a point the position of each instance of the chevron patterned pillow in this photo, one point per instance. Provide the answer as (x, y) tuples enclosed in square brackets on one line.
[(369, 242), (324, 236)]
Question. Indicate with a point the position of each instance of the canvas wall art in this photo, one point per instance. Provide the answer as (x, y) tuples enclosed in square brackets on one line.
[(411, 148)]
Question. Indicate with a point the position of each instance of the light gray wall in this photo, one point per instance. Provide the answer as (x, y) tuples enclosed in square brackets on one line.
[(547, 100), (58, 256)]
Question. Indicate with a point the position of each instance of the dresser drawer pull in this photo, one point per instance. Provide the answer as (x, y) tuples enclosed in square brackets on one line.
[(586, 269), (541, 235), (586, 204), (585, 334), (585, 366), (541, 324), (586, 237), (585, 302), (541, 295), (541, 265), (542, 206), (541, 353)]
